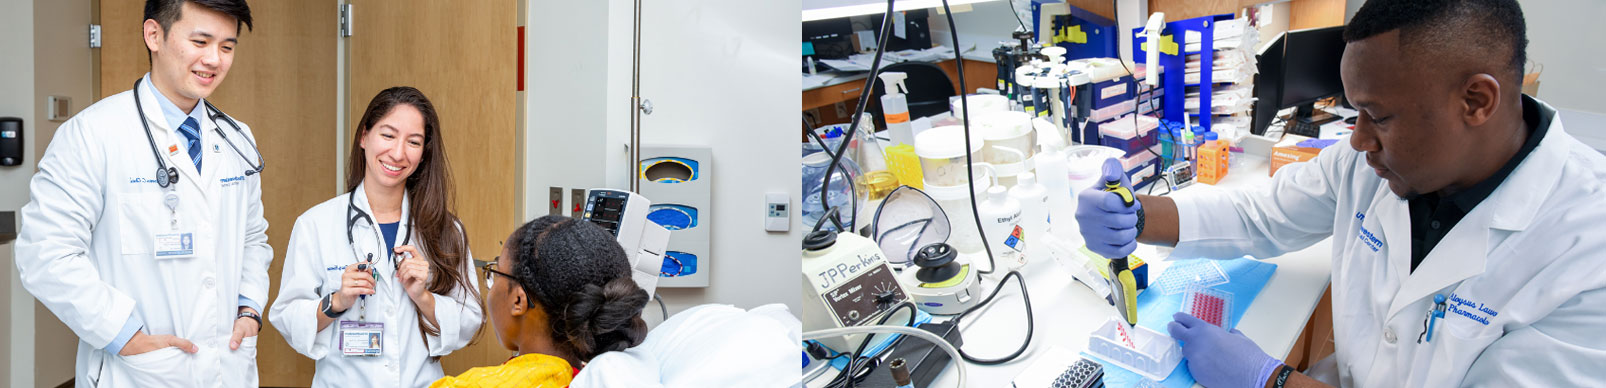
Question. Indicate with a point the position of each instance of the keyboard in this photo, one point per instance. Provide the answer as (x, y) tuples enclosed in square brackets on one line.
[(1302, 128)]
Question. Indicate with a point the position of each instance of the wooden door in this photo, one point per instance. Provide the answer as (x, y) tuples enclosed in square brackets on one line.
[(462, 55), (282, 84)]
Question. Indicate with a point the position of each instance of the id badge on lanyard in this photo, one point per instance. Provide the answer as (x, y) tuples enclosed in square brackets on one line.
[(176, 243), (358, 338), (361, 338)]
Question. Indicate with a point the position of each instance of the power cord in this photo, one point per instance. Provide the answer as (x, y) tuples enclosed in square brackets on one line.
[(848, 376), (970, 172), (853, 191), (661, 307), (1030, 325), (1012, 11), (858, 112)]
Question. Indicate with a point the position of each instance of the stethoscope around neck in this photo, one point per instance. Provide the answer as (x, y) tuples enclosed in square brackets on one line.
[(168, 175), (351, 222)]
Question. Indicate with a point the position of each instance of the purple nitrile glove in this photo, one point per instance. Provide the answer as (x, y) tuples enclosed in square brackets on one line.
[(1107, 224), (1218, 358)]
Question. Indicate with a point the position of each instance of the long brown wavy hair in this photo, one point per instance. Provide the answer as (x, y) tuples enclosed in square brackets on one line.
[(429, 191)]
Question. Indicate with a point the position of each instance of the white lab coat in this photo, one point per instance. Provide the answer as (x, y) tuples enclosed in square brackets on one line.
[(1529, 259), (317, 256), (85, 249)]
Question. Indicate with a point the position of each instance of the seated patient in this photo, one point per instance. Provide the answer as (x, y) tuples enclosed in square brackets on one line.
[(559, 294)]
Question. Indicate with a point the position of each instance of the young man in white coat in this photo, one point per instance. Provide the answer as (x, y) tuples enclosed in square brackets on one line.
[(1467, 241), (145, 232)]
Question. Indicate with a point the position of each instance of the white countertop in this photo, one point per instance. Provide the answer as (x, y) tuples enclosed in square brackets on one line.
[(1067, 311)]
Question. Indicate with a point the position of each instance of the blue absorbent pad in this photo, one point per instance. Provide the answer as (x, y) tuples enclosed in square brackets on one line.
[(1248, 276)]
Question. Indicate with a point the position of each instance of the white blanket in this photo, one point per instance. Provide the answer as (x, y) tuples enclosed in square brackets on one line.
[(712, 345)]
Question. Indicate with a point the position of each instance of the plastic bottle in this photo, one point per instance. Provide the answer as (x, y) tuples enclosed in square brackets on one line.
[(1198, 140), (895, 108), (1000, 222), (1033, 199), (1054, 174)]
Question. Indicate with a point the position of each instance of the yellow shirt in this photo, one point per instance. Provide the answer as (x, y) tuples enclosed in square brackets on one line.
[(527, 371)]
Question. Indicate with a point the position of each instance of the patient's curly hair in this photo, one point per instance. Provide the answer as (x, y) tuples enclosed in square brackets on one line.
[(581, 278)]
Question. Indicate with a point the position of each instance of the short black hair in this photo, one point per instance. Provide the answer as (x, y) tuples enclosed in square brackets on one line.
[(1498, 24), (165, 12)]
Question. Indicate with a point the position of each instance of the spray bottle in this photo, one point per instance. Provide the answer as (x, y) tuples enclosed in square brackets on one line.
[(895, 108)]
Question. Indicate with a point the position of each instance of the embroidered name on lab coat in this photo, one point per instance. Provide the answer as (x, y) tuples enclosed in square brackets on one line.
[(1471, 310)]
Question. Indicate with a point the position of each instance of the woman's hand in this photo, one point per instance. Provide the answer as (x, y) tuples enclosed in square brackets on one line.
[(414, 272), (353, 284)]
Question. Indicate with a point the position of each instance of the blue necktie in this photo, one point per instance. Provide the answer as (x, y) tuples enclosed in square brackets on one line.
[(192, 137)]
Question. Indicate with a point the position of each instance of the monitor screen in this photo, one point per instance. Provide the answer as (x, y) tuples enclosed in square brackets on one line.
[(1268, 84), (1310, 65)]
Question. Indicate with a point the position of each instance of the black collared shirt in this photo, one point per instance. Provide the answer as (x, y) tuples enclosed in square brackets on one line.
[(1434, 214)]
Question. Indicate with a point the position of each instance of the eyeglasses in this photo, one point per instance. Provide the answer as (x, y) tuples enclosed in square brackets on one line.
[(491, 272)]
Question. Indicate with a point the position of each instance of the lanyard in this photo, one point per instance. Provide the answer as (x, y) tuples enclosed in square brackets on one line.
[(351, 206)]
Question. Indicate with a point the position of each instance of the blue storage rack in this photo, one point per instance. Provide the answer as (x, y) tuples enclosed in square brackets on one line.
[(1099, 31), (1173, 81)]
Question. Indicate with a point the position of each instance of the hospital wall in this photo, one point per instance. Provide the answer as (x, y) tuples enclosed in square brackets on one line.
[(16, 82), (48, 40), (1565, 36), (578, 79)]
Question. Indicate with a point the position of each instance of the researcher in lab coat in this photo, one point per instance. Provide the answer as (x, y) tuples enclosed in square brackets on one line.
[(161, 281), (1466, 223), (387, 258)]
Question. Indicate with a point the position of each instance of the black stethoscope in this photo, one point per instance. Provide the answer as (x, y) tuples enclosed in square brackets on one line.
[(168, 175), (351, 221)]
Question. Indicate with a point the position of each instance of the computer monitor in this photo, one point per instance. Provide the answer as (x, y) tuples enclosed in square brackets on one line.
[(1268, 85), (828, 39), (1310, 71)]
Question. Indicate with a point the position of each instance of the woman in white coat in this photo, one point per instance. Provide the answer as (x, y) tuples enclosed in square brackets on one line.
[(386, 260)]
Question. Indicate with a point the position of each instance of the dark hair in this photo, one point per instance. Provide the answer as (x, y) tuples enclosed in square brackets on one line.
[(1497, 25), (165, 12), (429, 195), (581, 278)]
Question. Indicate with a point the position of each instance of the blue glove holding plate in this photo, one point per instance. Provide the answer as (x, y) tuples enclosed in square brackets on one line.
[(1219, 358)]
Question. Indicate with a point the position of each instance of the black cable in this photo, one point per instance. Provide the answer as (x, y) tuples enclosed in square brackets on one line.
[(1012, 11), (970, 173), (853, 191), (1153, 70), (859, 353), (864, 101), (1030, 325)]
